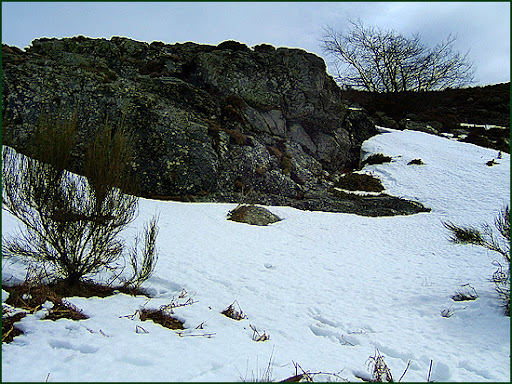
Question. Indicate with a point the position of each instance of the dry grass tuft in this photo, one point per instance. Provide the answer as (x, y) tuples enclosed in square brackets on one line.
[(233, 313), (257, 336), (9, 330), (379, 369), (416, 162), (376, 158)]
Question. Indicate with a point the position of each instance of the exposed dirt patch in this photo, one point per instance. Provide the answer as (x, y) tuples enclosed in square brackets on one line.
[(161, 318), (31, 297), (9, 330)]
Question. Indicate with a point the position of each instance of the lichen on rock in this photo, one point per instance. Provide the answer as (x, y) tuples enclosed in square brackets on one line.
[(253, 215), (207, 122)]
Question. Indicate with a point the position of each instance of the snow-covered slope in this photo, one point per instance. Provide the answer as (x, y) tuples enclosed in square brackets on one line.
[(328, 288)]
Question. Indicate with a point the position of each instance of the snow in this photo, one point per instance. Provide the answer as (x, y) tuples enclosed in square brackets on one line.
[(328, 288)]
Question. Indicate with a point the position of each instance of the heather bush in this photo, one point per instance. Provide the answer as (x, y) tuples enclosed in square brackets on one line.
[(376, 158), (71, 223)]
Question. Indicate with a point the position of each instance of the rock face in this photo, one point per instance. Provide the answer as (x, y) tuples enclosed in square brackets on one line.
[(209, 123)]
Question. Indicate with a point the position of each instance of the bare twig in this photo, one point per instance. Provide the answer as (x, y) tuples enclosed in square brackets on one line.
[(256, 336), (429, 371), (406, 368), (206, 335)]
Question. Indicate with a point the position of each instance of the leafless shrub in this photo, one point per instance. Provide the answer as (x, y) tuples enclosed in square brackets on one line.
[(142, 272)]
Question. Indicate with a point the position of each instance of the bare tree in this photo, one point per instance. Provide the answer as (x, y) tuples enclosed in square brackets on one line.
[(387, 61), (71, 222)]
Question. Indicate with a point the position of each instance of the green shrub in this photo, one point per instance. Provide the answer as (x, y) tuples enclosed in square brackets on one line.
[(233, 45), (264, 48), (71, 223)]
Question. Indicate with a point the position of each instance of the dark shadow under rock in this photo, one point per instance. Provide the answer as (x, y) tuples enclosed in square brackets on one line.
[(250, 214)]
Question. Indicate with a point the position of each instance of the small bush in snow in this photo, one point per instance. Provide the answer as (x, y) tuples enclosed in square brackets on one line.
[(376, 158), (498, 240), (359, 182), (71, 222), (379, 369), (257, 335), (233, 313), (466, 293)]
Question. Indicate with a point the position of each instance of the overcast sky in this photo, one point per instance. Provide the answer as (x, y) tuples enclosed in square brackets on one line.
[(483, 28)]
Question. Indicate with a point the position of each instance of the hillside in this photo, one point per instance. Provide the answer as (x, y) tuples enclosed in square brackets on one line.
[(444, 111), (318, 293)]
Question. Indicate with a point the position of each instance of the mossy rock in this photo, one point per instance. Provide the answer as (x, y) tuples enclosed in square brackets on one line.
[(360, 182), (250, 214)]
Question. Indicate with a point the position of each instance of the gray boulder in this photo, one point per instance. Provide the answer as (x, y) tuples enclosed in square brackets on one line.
[(253, 215)]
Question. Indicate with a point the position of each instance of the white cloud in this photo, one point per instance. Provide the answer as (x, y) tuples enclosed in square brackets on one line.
[(483, 27)]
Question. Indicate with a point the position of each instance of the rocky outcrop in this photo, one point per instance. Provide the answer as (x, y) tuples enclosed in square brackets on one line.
[(209, 123)]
